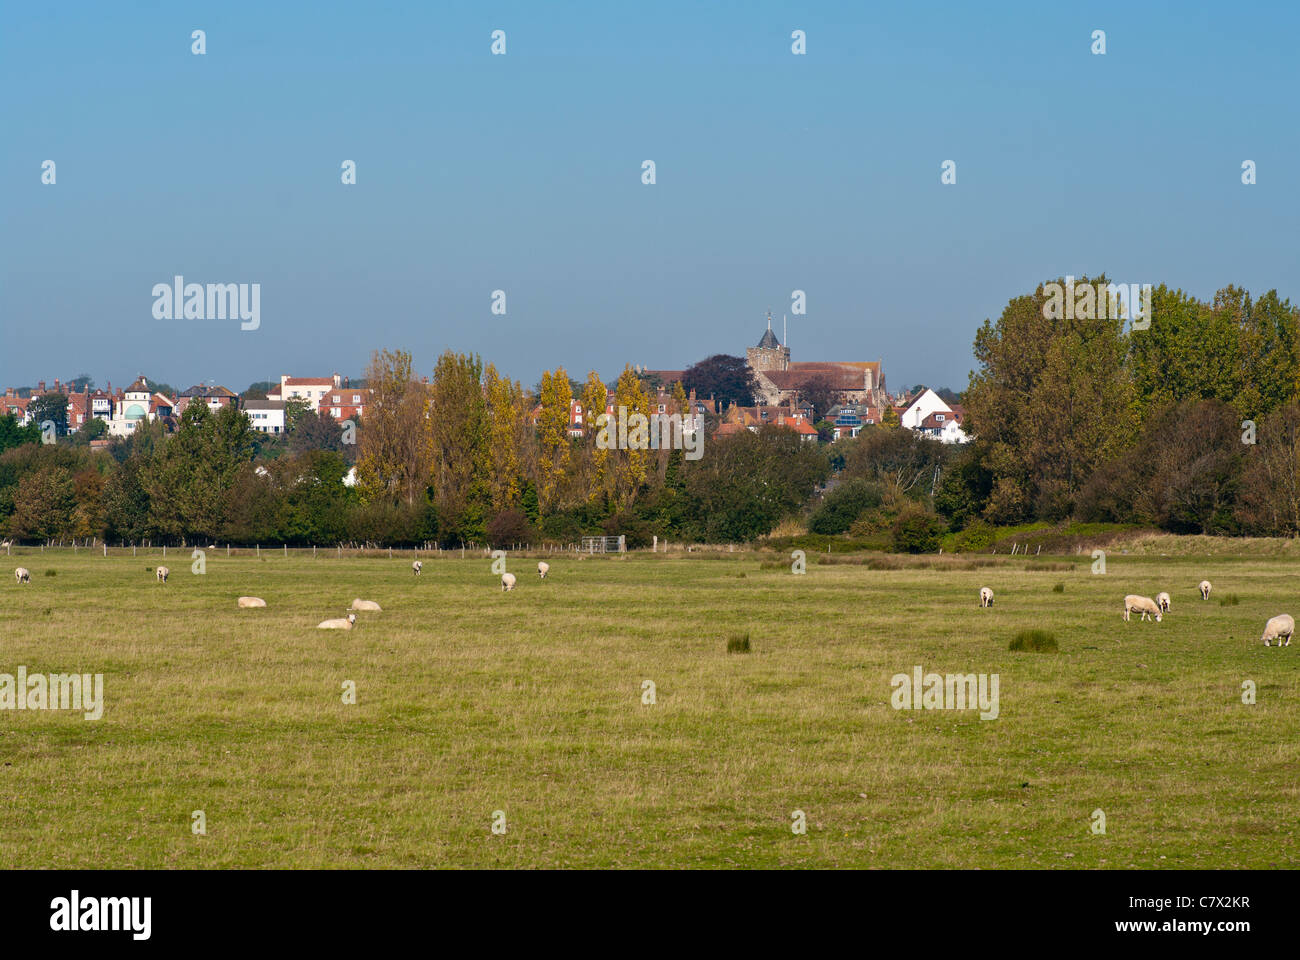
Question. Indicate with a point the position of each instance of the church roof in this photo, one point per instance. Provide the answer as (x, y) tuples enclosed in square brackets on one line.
[(769, 339)]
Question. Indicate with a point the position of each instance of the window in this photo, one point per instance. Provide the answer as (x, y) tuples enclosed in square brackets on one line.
[(337, 398), (356, 398)]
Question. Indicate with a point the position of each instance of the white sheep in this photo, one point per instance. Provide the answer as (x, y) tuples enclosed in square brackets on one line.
[(23, 575), (507, 581), (1277, 628), (163, 574), (339, 624), (1162, 601), (416, 567), (543, 568), (1143, 605), (249, 602), (986, 597), (1205, 589), (366, 605)]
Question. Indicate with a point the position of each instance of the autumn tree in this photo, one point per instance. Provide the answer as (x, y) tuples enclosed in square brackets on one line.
[(631, 463), (553, 437), (507, 421), (395, 449), (460, 445)]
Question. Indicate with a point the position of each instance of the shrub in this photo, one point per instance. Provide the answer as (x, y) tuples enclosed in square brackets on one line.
[(1033, 641), (738, 643), (916, 531), (843, 505), (509, 527), (978, 536)]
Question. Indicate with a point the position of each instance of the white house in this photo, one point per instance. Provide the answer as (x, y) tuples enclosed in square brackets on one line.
[(926, 412), (138, 404), (266, 416), (309, 389)]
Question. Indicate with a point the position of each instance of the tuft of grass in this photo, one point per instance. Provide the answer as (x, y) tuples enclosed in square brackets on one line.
[(1033, 641), (1059, 588), (51, 573), (738, 643), (1229, 600)]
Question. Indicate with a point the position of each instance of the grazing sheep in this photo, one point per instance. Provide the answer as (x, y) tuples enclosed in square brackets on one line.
[(1205, 589), (507, 581), (163, 574), (1162, 601), (986, 597), (247, 602), (339, 624), (1143, 605), (23, 575), (416, 567), (1277, 628), (543, 568), (366, 605)]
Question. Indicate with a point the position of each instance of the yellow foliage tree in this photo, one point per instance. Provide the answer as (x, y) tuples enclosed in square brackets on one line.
[(553, 437)]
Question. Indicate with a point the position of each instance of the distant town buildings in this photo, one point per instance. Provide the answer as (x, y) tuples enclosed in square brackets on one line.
[(782, 399)]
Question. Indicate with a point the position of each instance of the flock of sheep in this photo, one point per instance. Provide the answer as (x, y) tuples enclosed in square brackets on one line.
[(23, 575), (1278, 628)]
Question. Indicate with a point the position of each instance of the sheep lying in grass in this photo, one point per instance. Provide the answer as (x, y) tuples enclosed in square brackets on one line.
[(339, 624), (23, 575), (986, 597), (1277, 628), (1205, 589), (507, 581), (543, 568), (1162, 601), (163, 574), (367, 605), (1143, 605), (416, 567), (249, 602)]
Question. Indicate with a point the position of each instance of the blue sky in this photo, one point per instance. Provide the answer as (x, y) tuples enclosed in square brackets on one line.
[(522, 172)]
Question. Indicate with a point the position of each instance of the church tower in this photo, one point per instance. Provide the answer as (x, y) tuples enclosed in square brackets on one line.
[(769, 354)]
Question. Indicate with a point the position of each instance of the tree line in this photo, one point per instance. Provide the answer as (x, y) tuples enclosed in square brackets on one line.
[(466, 456), (1191, 424)]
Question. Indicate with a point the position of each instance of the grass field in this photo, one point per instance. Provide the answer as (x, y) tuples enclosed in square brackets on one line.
[(471, 701)]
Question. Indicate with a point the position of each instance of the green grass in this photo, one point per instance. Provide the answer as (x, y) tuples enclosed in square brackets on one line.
[(470, 700), (1034, 641)]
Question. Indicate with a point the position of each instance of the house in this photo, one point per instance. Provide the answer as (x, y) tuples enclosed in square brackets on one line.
[(12, 403), (138, 403), (215, 397), (308, 389), (266, 416), (926, 412), (344, 403), (946, 427), (752, 418)]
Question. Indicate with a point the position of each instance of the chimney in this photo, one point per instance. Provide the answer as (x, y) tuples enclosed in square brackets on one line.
[(40, 387), (56, 385)]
